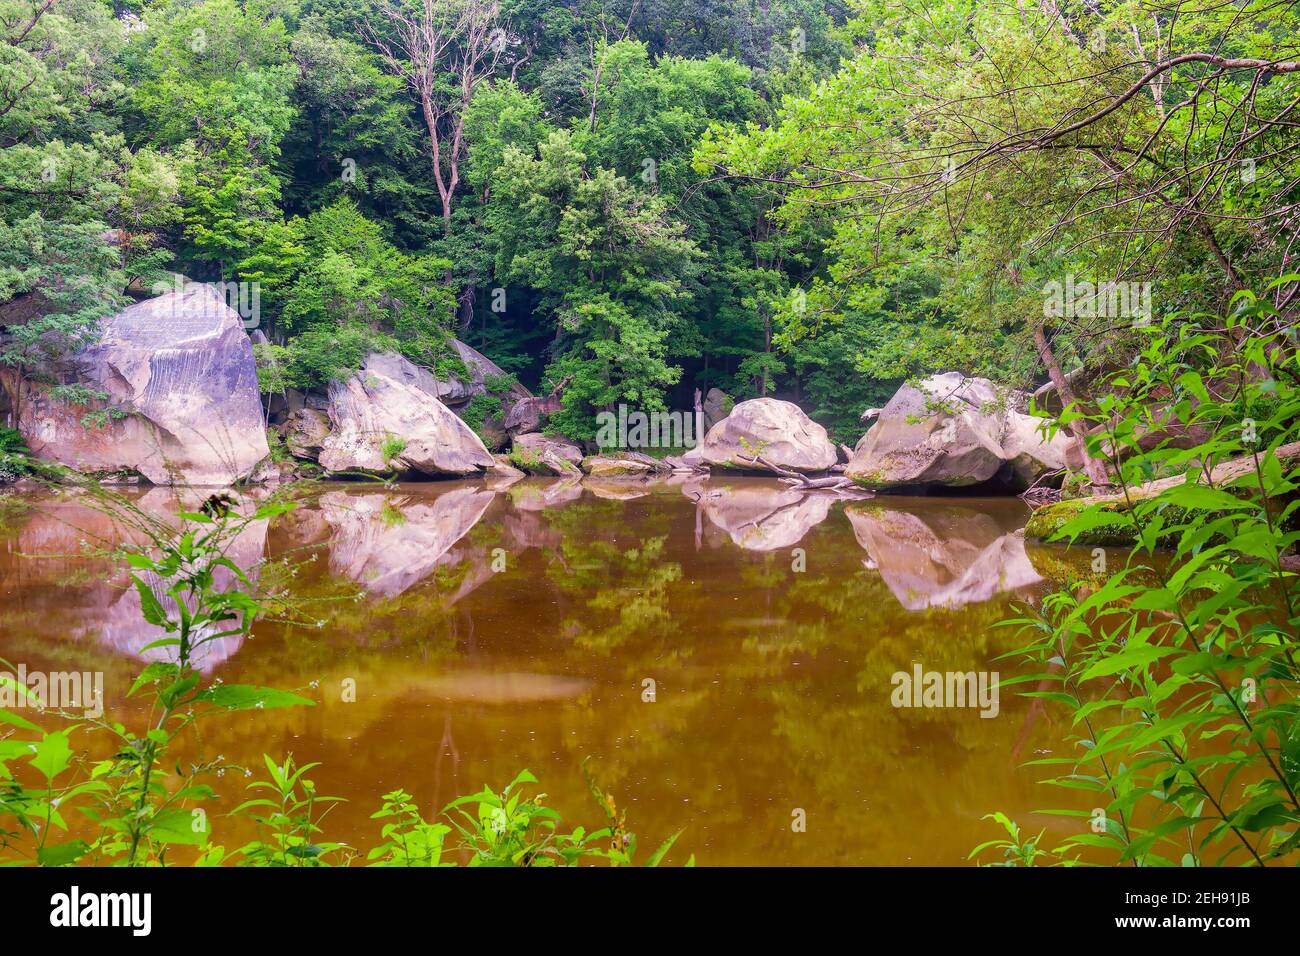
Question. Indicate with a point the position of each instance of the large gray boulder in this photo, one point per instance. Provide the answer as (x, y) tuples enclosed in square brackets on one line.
[(776, 431), (387, 418), (954, 431), (181, 382), (457, 391)]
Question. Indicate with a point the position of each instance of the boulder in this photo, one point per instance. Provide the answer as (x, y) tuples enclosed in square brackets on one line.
[(181, 383), (458, 391), (625, 464), (602, 466), (777, 431), (305, 431), (540, 454), (954, 431), (387, 418), (717, 405)]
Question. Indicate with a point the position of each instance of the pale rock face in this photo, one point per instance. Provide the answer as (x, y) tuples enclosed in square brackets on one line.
[(181, 367), (954, 431), (305, 431), (391, 405), (777, 431)]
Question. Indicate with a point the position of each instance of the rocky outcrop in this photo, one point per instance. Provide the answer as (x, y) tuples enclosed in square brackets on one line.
[(953, 431), (387, 418), (777, 432), (182, 401), (525, 415), (457, 391), (305, 431), (540, 454), (717, 405)]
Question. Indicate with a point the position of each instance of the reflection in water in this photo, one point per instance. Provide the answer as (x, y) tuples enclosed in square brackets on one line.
[(761, 517), (944, 556), (109, 609), (486, 632), (504, 688), (387, 543)]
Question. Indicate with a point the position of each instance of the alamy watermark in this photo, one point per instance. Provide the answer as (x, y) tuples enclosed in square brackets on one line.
[(245, 298), (637, 429), (946, 689), (1075, 299), (56, 690)]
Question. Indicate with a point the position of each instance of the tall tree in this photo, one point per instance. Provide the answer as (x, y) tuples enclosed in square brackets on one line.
[(443, 49)]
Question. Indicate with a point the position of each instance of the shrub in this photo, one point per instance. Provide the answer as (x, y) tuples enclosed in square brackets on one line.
[(1179, 669)]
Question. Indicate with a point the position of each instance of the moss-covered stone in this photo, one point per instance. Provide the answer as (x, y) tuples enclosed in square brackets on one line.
[(1048, 520)]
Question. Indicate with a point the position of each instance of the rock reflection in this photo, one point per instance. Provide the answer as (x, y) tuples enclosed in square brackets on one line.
[(761, 516), (57, 536), (389, 543), (943, 555), (538, 494)]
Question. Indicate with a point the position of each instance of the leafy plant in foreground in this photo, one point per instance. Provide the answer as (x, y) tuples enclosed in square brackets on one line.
[(1180, 669)]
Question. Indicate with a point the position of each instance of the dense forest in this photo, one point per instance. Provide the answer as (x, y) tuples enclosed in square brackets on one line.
[(1079, 217), (639, 198)]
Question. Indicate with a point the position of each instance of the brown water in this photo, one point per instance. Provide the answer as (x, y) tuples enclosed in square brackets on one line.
[(769, 620)]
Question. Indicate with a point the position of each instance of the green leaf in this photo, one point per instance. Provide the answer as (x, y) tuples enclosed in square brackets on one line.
[(53, 755), (248, 697), (62, 854)]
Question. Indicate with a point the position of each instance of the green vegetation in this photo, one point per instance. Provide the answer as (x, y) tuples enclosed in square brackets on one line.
[(1179, 669), (805, 200)]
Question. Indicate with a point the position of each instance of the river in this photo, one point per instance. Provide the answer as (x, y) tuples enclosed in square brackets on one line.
[(723, 651)]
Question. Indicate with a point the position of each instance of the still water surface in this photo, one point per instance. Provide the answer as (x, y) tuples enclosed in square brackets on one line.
[(491, 628)]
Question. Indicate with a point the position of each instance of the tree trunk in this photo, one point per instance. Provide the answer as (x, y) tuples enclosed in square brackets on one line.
[(1093, 467)]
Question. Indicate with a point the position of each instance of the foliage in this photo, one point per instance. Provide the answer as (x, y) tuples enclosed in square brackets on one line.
[(1184, 694)]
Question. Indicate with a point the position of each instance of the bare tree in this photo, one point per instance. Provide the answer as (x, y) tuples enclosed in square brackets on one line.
[(443, 49)]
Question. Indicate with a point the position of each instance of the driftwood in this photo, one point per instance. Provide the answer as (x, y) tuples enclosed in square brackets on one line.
[(842, 486), (527, 412), (1039, 494)]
